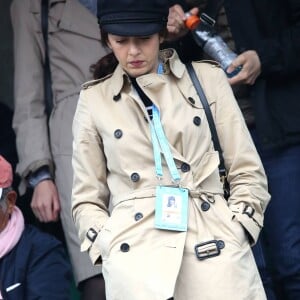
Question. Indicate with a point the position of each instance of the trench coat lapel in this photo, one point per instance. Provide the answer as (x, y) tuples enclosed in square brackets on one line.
[(151, 84)]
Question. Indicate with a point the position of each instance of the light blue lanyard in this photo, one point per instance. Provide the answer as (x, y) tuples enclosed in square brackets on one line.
[(160, 142)]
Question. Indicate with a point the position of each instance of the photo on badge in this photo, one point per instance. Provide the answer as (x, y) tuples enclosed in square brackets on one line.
[(171, 212)]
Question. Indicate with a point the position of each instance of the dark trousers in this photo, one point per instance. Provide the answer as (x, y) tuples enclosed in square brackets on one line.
[(281, 232)]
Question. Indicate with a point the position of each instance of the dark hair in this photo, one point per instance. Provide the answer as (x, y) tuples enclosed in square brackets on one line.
[(108, 63), (104, 66)]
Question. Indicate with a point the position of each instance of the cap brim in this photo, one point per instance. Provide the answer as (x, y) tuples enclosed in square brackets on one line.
[(133, 29)]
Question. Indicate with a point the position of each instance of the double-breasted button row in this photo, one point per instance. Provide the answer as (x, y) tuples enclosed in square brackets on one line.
[(135, 177), (119, 133), (124, 247)]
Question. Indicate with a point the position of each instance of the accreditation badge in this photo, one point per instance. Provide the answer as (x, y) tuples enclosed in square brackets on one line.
[(171, 208)]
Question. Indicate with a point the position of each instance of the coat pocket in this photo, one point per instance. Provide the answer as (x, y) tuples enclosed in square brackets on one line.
[(117, 228), (225, 226)]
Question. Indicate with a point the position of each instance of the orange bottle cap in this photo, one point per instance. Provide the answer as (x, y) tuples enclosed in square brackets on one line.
[(192, 22)]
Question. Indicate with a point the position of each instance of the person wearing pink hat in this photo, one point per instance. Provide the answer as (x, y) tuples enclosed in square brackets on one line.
[(33, 264)]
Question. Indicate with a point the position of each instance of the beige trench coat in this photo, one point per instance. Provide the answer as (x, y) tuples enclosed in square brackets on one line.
[(74, 45), (113, 160)]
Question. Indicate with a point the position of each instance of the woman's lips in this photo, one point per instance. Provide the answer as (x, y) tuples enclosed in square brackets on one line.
[(136, 63)]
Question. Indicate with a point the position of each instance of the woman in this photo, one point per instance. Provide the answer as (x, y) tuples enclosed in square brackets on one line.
[(140, 136)]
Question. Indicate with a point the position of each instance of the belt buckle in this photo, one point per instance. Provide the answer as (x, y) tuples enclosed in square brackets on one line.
[(208, 249)]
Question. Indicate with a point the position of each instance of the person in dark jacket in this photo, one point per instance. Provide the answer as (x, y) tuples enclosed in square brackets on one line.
[(270, 29), (266, 35), (33, 265)]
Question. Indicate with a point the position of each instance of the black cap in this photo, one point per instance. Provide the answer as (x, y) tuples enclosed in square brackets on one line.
[(133, 17)]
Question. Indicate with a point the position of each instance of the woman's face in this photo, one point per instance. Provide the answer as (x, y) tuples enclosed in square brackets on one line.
[(136, 55)]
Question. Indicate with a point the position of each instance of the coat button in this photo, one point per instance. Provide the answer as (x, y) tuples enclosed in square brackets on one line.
[(185, 168), (138, 216), (124, 247), (197, 121), (118, 133), (220, 244), (191, 100), (117, 97), (135, 177), (205, 206)]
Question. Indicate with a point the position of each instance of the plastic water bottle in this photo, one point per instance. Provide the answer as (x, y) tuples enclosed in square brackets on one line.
[(211, 43)]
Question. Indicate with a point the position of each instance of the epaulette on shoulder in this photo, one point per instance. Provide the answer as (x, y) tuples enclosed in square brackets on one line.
[(211, 62), (90, 83)]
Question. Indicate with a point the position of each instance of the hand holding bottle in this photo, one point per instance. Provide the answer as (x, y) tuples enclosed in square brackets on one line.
[(250, 71), (211, 43), (176, 22)]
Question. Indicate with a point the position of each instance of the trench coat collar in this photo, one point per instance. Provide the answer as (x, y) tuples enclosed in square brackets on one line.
[(171, 64)]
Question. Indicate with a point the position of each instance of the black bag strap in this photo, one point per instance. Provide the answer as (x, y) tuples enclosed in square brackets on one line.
[(213, 7), (211, 123), (47, 73)]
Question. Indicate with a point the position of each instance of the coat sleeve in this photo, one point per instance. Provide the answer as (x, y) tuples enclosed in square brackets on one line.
[(248, 184), (30, 120), (90, 193)]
